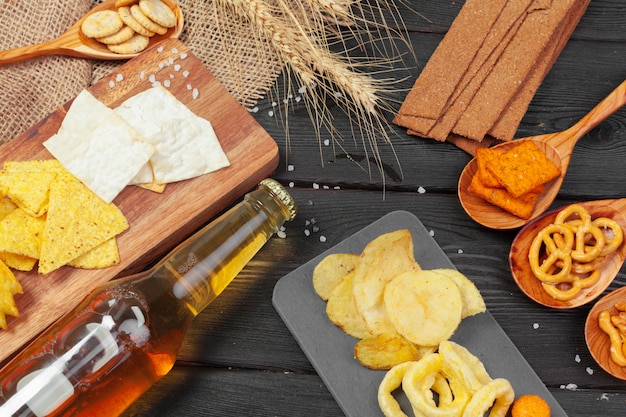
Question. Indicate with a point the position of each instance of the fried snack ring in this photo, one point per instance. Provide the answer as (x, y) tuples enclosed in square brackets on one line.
[(419, 380), (576, 286), (392, 381), (558, 250), (617, 348), (460, 368), (497, 393)]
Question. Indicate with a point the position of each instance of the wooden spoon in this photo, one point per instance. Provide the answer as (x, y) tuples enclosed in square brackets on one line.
[(598, 342), (531, 286), (557, 146), (74, 43)]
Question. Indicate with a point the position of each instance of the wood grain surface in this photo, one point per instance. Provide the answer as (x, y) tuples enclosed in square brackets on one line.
[(158, 222)]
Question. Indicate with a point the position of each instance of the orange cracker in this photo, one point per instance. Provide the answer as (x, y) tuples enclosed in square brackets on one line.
[(484, 157), (523, 168), (519, 206)]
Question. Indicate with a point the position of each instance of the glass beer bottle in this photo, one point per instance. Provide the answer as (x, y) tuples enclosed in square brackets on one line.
[(122, 338)]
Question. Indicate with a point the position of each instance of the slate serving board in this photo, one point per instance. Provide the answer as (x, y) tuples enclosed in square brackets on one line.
[(330, 350)]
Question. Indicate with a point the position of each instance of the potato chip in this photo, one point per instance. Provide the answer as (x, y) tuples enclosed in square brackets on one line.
[(385, 351), (423, 306), (102, 256), (28, 190), (9, 286), (382, 259), (473, 302), (331, 270), (523, 168), (341, 309), (77, 221), (98, 147), (21, 233), (186, 145)]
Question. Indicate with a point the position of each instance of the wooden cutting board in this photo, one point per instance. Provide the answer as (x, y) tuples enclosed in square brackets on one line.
[(158, 222)]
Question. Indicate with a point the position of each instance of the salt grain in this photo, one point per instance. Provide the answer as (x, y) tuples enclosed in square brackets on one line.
[(152, 78), (307, 232), (322, 239), (535, 326), (291, 184), (111, 84), (421, 190), (577, 358), (459, 251), (316, 186), (326, 142), (195, 93), (119, 78), (290, 168), (183, 55), (160, 49), (431, 232), (270, 113), (177, 67), (281, 234), (185, 73), (255, 109), (142, 75), (174, 50), (589, 371), (189, 87)]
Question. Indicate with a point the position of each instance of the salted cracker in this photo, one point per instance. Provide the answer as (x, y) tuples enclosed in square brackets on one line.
[(145, 21), (158, 12), (101, 24), (131, 22), (134, 45), (124, 34)]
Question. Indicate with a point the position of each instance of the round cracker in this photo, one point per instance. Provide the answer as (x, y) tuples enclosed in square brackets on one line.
[(101, 24), (123, 3), (134, 45), (144, 21), (158, 12), (120, 36), (131, 22)]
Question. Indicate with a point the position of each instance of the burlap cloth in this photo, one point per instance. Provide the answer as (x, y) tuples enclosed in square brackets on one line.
[(31, 90)]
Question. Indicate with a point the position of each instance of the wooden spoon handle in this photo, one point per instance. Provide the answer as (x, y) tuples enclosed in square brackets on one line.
[(11, 56), (609, 105)]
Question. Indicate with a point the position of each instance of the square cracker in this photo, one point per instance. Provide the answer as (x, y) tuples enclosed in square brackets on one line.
[(523, 168), (519, 206)]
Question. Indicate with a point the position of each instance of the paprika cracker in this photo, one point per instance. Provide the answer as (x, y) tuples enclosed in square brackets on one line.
[(484, 157), (519, 206), (523, 168)]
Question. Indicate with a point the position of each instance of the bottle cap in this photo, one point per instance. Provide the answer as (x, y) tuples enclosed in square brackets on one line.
[(282, 194)]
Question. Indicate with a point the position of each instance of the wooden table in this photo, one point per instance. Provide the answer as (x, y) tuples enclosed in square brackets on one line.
[(240, 359)]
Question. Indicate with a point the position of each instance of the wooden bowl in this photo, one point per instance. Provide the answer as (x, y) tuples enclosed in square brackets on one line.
[(597, 340)]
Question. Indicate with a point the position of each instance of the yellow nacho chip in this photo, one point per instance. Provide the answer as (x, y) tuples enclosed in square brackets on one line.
[(28, 190), (21, 233), (102, 256), (78, 221), (35, 165), (6, 207), (18, 262), (9, 286)]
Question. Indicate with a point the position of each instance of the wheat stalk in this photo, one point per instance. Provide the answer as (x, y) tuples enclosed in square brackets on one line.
[(300, 33)]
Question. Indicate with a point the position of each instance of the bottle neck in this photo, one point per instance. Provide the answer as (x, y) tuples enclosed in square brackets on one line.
[(208, 261)]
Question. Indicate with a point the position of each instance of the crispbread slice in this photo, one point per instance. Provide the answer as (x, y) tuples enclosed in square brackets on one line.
[(186, 145), (89, 145)]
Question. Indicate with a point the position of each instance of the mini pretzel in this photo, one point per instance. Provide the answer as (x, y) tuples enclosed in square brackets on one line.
[(558, 249), (576, 286), (581, 251), (616, 349), (618, 234)]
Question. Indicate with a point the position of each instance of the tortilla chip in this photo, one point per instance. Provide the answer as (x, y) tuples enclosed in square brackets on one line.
[(28, 190), (520, 206), (523, 168), (9, 286), (21, 233), (6, 207), (102, 256), (78, 221), (19, 262)]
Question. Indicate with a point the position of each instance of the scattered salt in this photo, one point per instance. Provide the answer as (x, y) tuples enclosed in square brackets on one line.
[(421, 190), (322, 239), (459, 251), (326, 142), (570, 386), (577, 358), (604, 397), (290, 168), (291, 184), (111, 84), (195, 93), (535, 326), (189, 87), (177, 67), (270, 113), (307, 232), (316, 186), (185, 73), (255, 109), (431, 232), (142, 75), (183, 55), (281, 234), (298, 99), (167, 83), (302, 90), (119, 78), (152, 78), (160, 49), (174, 50), (589, 370)]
